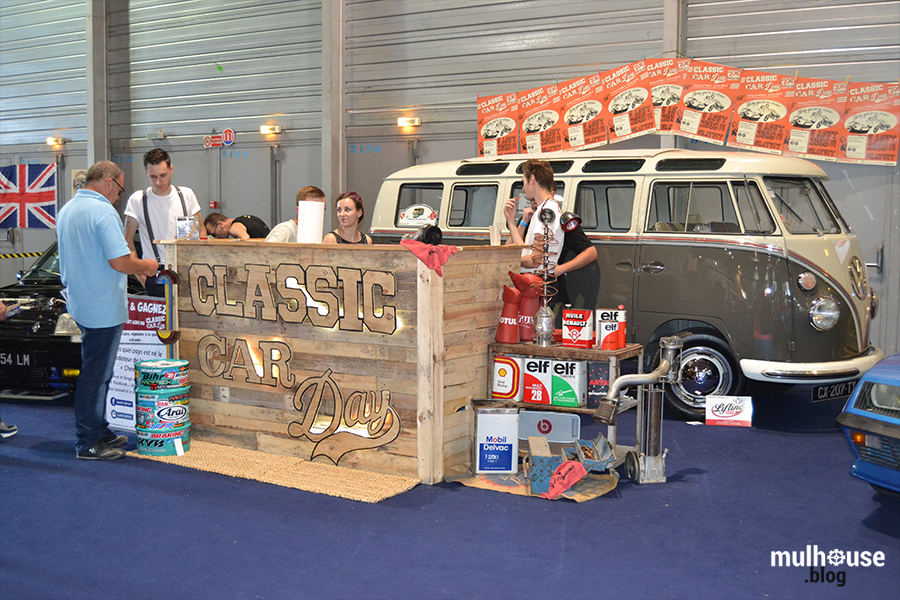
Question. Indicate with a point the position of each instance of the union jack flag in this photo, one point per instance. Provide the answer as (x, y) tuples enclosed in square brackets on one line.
[(28, 196)]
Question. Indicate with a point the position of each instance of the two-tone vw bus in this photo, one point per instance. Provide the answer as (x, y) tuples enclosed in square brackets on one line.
[(743, 255)]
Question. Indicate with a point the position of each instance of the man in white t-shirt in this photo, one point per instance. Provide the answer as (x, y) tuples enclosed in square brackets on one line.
[(161, 203), (287, 231)]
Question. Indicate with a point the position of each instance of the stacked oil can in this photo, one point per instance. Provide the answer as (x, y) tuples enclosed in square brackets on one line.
[(162, 394)]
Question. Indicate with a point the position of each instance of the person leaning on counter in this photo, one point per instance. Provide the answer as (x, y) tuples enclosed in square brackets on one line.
[(245, 227)]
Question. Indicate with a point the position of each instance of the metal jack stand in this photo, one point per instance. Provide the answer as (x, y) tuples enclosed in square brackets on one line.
[(647, 464)]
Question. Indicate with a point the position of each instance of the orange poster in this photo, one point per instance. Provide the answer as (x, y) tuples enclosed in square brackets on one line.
[(497, 129), (664, 77), (707, 102), (871, 120), (760, 118), (582, 110), (540, 126), (815, 118), (628, 107)]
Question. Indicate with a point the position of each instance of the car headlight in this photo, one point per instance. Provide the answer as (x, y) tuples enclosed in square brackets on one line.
[(65, 325), (824, 313)]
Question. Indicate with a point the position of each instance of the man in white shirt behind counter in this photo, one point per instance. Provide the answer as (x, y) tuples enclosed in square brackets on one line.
[(154, 211), (287, 231)]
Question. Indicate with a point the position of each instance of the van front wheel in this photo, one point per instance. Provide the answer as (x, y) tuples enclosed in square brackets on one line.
[(706, 368)]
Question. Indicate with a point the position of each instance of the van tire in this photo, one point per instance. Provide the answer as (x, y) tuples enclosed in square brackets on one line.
[(707, 368)]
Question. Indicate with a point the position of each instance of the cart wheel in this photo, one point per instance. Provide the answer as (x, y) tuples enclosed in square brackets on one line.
[(632, 466)]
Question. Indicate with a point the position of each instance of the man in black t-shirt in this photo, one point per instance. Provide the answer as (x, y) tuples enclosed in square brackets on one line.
[(245, 227)]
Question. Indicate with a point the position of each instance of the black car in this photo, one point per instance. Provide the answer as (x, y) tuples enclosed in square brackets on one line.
[(40, 345)]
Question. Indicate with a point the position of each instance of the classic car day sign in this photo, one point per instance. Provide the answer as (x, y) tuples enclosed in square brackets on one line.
[(754, 110)]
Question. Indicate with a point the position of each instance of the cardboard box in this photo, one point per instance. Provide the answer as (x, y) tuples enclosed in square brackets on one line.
[(537, 380), (569, 378), (598, 382), (497, 440), (541, 464)]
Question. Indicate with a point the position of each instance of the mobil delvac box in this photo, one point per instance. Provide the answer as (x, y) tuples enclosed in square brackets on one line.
[(497, 440)]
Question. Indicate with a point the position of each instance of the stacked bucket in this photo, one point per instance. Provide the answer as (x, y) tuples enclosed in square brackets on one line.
[(163, 416)]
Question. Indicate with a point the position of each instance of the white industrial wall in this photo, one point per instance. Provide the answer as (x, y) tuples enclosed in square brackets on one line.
[(397, 58)]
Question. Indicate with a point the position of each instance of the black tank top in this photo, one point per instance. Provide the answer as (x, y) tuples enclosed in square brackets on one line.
[(341, 240), (256, 227)]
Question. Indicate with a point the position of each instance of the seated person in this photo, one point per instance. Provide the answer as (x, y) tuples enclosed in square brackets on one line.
[(245, 227), (287, 231), (350, 211)]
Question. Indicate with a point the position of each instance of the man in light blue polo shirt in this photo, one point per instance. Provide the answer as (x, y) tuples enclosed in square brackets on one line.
[(94, 262)]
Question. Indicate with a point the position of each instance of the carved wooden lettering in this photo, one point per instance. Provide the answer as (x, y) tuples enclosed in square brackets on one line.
[(316, 293)]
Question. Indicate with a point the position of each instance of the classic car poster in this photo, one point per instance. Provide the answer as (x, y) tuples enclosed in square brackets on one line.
[(871, 123), (628, 107), (664, 77), (541, 126), (760, 116), (815, 118), (582, 108), (707, 102), (497, 129)]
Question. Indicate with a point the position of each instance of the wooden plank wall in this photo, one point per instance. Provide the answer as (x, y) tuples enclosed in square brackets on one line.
[(239, 398)]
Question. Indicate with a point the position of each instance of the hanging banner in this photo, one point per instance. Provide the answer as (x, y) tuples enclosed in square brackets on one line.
[(541, 127), (815, 118), (498, 132), (665, 78), (871, 120), (707, 102), (28, 196), (628, 107), (760, 118), (582, 108)]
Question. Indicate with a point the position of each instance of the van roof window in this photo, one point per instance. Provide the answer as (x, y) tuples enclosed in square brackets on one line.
[(619, 165), (491, 168), (690, 164), (558, 166)]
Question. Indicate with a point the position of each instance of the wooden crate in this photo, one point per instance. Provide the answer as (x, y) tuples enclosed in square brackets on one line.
[(372, 365)]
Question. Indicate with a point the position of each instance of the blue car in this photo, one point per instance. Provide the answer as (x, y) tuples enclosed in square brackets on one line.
[(871, 422)]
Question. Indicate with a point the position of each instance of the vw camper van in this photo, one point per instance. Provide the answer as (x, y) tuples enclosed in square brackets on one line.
[(744, 255)]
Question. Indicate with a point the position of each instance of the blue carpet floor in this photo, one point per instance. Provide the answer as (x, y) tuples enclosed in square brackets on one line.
[(140, 529)]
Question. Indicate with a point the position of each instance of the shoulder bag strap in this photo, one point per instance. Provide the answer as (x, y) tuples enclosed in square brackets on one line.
[(150, 227)]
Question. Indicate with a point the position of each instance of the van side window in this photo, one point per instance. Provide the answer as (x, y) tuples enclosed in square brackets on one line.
[(752, 207), (605, 206), (692, 207), (472, 205), (799, 205), (422, 196), (516, 191)]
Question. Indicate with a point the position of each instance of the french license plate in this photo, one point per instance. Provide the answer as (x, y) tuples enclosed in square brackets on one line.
[(16, 359), (832, 391)]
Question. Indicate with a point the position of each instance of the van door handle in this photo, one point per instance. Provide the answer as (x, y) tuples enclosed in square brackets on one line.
[(653, 267)]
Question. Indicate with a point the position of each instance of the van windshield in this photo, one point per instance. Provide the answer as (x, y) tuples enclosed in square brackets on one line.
[(800, 206)]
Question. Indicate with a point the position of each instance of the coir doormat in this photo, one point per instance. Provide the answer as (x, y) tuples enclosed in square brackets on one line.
[(289, 471)]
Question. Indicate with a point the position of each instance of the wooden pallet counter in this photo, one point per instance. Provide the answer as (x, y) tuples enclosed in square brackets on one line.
[(361, 356)]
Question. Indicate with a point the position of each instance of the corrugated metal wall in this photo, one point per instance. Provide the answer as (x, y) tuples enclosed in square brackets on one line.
[(189, 65), (42, 71)]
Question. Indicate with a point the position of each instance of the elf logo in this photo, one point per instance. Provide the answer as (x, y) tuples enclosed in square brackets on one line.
[(562, 368), (608, 315), (537, 366)]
